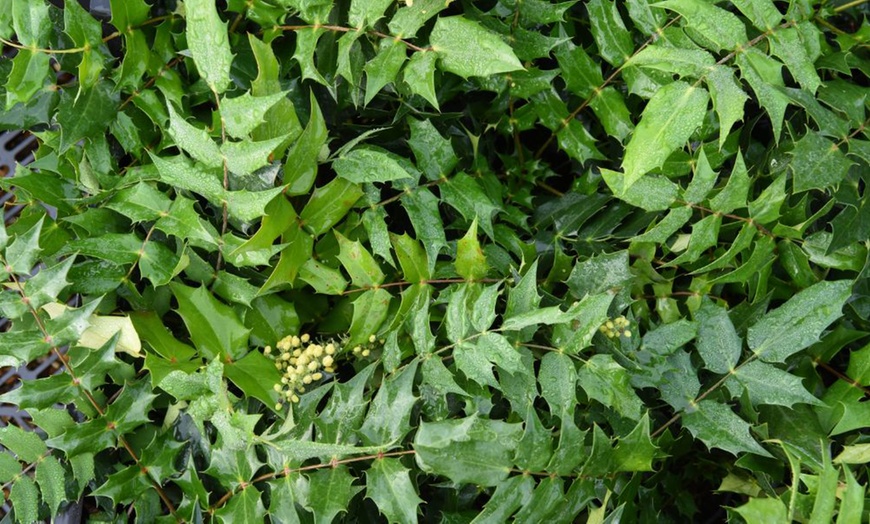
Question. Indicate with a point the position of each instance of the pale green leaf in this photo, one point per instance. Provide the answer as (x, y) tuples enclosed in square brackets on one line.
[(467, 49), (470, 261), (208, 42), (242, 114), (719, 29), (368, 165), (50, 477), (668, 120), (471, 450)]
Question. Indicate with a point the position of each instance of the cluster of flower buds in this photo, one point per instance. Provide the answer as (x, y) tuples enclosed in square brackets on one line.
[(616, 327), (300, 362), (364, 350)]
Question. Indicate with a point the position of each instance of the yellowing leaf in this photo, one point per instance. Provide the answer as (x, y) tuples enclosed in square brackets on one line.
[(101, 328)]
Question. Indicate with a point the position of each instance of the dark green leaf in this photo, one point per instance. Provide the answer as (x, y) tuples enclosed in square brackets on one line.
[(718, 427), (799, 322), (471, 450), (388, 484)]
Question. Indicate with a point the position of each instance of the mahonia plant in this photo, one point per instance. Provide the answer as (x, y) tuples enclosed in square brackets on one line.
[(378, 260)]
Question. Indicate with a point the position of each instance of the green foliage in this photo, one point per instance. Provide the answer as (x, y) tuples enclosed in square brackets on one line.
[(422, 260)]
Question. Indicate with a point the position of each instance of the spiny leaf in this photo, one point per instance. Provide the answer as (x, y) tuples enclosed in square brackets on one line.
[(718, 427), (467, 49), (799, 322), (668, 121), (208, 42)]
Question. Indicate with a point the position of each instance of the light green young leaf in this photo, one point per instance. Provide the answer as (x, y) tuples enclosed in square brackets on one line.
[(242, 114), (467, 49), (368, 165), (208, 42), (470, 261), (759, 510), (668, 120), (799, 322), (717, 426), (323, 279), (720, 29), (651, 193), (25, 500), (364, 271), (693, 63), (193, 140), (412, 258), (410, 18), (728, 99), (50, 477), (388, 484), (762, 13)]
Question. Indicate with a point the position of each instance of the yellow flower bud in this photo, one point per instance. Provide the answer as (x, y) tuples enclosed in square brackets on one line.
[(372, 339), (330, 349), (328, 360), (278, 406), (305, 338), (366, 353)]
